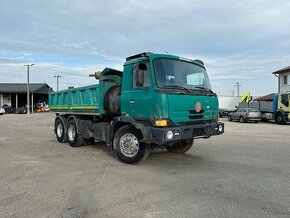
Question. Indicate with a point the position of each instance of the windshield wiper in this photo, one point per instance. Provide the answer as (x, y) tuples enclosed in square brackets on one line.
[(203, 88), (175, 87)]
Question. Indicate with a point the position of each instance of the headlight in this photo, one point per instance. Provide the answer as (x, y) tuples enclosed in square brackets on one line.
[(169, 134), (220, 128)]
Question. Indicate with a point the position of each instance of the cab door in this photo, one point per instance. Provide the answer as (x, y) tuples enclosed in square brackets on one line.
[(136, 99)]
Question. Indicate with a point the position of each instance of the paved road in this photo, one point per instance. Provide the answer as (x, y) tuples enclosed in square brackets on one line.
[(243, 173)]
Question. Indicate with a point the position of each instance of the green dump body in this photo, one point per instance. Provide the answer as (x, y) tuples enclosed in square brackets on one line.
[(86, 99), (83, 100)]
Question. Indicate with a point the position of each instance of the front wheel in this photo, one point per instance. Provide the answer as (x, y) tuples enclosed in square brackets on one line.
[(127, 145), (280, 119), (180, 147), (230, 118)]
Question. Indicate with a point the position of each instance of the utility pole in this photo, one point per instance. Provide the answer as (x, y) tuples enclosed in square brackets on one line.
[(233, 92), (27, 87), (238, 85), (57, 76)]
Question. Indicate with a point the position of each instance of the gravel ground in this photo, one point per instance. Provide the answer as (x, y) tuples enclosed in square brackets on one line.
[(243, 173)]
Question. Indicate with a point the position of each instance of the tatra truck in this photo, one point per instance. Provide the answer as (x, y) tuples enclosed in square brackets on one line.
[(159, 100)]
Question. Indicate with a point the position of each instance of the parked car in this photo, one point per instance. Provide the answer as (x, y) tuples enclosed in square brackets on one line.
[(8, 109), (2, 111), (223, 112), (245, 115), (21, 110)]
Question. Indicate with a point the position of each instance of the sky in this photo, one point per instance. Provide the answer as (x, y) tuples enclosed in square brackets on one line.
[(240, 41)]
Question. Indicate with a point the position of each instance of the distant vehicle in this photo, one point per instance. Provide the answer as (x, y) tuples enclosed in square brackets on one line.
[(223, 112), (8, 109), (21, 110), (245, 114), (2, 111), (278, 109), (42, 107)]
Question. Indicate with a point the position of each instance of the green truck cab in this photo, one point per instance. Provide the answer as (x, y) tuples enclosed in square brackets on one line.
[(158, 100)]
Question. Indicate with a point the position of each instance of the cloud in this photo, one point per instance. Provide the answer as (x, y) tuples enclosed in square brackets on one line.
[(238, 40)]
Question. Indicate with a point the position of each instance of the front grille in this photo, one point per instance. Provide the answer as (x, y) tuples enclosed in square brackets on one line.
[(196, 115), (194, 112)]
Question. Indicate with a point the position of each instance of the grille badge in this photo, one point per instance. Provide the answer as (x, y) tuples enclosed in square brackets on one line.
[(198, 107)]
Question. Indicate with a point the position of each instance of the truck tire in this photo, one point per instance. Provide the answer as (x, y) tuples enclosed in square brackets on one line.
[(280, 119), (112, 104), (60, 133), (127, 145), (180, 147), (74, 139)]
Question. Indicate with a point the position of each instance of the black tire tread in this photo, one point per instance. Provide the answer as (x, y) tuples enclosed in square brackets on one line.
[(79, 141), (180, 147), (63, 138), (144, 149)]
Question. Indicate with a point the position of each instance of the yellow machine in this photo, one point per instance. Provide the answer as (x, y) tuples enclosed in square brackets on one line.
[(246, 97)]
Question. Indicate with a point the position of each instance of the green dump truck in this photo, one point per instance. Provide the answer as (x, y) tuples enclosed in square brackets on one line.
[(158, 100)]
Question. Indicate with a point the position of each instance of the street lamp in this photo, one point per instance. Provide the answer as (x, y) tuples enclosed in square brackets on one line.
[(57, 76), (28, 99)]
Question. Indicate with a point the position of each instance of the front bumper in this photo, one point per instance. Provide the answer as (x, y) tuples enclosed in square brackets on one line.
[(159, 135), (253, 118)]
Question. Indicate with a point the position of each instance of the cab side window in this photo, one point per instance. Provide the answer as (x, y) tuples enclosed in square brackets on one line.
[(285, 100), (141, 76)]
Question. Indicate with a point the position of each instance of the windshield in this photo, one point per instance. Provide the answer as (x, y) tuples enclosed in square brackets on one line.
[(178, 73)]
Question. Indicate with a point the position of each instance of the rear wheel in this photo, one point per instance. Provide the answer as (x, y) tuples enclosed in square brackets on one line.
[(127, 145), (230, 118), (74, 139), (60, 133), (180, 147)]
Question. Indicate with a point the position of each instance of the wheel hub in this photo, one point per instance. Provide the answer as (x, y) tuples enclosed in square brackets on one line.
[(129, 145), (59, 130), (71, 133)]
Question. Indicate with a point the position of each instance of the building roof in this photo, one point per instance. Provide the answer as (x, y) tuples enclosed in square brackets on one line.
[(283, 70), (39, 88), (269, 97)]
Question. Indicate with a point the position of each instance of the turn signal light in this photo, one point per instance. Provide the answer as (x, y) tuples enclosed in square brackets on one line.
[(161, 123)]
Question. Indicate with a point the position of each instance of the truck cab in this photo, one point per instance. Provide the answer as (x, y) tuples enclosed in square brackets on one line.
[(282, 107), (158, 100)]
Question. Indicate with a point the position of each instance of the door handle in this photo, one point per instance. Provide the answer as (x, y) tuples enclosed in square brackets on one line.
[(132, 101)]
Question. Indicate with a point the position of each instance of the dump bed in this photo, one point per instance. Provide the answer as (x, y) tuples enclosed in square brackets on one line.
[(76, 100)]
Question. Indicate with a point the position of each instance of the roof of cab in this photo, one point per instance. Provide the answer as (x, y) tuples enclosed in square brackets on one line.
[(145, 55)]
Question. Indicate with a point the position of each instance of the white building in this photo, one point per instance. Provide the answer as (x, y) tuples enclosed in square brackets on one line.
[(228, 102), (283, 79)]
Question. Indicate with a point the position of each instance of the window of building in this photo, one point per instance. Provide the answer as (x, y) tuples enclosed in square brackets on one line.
[(285, 80)]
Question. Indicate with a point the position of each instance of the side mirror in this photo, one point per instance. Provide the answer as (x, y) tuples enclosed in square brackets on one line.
[(140, 78)]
